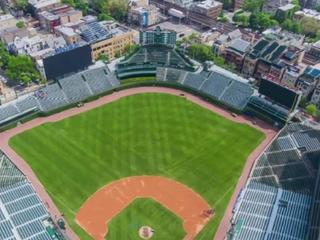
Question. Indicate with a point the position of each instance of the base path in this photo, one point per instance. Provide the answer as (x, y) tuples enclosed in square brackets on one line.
[(95, 214), (25, 168)]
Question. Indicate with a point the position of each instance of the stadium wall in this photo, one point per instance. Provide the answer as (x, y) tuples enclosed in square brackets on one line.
[(252, 112), (21, 119)]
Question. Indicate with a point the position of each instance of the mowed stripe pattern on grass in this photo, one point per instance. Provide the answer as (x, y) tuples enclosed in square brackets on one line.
[(144, 134)]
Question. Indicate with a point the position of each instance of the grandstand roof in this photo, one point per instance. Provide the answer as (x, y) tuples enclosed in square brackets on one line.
[(277, 200)]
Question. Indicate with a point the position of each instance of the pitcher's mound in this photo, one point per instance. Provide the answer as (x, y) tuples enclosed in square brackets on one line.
[(146, 232)]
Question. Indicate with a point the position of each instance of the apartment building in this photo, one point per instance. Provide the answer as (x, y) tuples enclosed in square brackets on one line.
[(209, 8), (7, 21), (107, 38)]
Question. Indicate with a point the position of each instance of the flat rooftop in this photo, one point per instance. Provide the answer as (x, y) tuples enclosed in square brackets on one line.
[(66, 31), (42, 3), (208, 4), (181, 29), (6, 17)]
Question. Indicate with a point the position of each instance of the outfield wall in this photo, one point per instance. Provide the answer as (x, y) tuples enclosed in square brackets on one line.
[(202, 95), (28, 117)]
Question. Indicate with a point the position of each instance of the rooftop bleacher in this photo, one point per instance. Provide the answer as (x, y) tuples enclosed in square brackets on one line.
[(148, 58)]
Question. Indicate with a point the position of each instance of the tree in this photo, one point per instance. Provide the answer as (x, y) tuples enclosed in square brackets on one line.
[(310, 26), (115, 8), (253, 5), (265, 20), (241, 19), (103, 57), (253, 21), (261, 21), (20, 24), (104, 17), (117, 54), (202, 53), (296, 27), (118, 9), (303, 102), (287, 24), (21, 68), (317, 8), (131, 48), (291, 26), (223, 19), (227, 4), (21, 4), (81, 5), (194, 38), (312, 109), (69, 2), (4, 56), (297, 5)]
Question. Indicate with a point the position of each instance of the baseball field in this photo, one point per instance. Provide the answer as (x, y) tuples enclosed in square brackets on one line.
[(150, 134)]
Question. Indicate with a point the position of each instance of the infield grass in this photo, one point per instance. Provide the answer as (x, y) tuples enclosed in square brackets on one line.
[(145, 212), (144, 134)]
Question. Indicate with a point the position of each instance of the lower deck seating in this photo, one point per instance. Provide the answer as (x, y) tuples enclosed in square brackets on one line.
[(223, 87), (22, 213), (237, 95), (8, 111), (266, 212), (277, 199), (75, 88), (26, 104), (99, 80), (51, 97), (215, 85), (194, 80), (68, 90), (18, 108)]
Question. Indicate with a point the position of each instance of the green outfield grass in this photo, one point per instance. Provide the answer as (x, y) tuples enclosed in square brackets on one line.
[(145, 212), (145, 134), (137, 79)]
